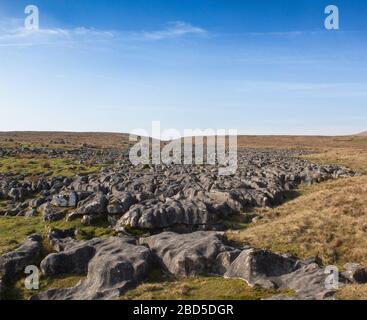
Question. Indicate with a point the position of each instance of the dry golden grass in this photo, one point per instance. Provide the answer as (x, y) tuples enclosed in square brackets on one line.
[(353, 292), (303, 142), (355, 158), (329, 221), (105, 139), (64, 139)]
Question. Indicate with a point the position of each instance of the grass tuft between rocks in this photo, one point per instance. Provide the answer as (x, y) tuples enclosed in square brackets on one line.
[(19, 292), (164, 287)]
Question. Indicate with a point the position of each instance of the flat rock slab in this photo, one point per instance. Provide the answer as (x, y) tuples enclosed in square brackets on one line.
[(116, 265), (308, 282), (201, 253), (188, 254), (270, 270), (256, 265)]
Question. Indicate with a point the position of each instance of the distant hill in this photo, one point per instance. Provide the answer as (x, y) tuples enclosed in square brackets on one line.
[(63, 139), (364, 133)]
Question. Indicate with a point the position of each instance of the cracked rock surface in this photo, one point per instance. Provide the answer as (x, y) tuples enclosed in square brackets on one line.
[(113, 265)]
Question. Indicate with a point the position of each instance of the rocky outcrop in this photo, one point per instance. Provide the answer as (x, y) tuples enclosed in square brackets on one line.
[(188, 254), (169, 213), (120, 202), (114, 265), (93, 205), (50, 213), (28, 253), (160, 198), (309, 282), (73, 260), (257, 265), (355, 273), (201, 253), (61, 239), (117, 264), (275, 271), (65, 199)]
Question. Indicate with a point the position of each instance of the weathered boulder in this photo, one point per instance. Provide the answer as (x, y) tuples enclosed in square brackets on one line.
[(225, 201), (93, 205), (276, 271), (121, 203), (168, 214), (59, 201), (355, 273), (73, 260), (309, 282), (53, 216), (35, 203), (188, 254), (50, 213), (65, 199), (118, 264), (61, 239), (256, 265), (27, 253), (17, 194)]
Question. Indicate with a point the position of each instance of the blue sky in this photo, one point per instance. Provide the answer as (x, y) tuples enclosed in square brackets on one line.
[(261, 67)]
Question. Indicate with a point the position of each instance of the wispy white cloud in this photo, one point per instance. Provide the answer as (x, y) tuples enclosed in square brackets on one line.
[(173, 30), (13, 33)]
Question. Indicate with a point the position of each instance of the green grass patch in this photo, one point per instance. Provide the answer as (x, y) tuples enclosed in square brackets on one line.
[(14, 230), (161, 287), (20, 292), (53, 166), (137, 232)]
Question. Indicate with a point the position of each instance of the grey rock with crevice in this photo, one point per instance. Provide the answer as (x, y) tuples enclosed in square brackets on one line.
[(117, 265), (27, 253)]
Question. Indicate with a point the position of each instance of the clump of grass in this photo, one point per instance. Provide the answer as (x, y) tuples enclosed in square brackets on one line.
[(20, 292)]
